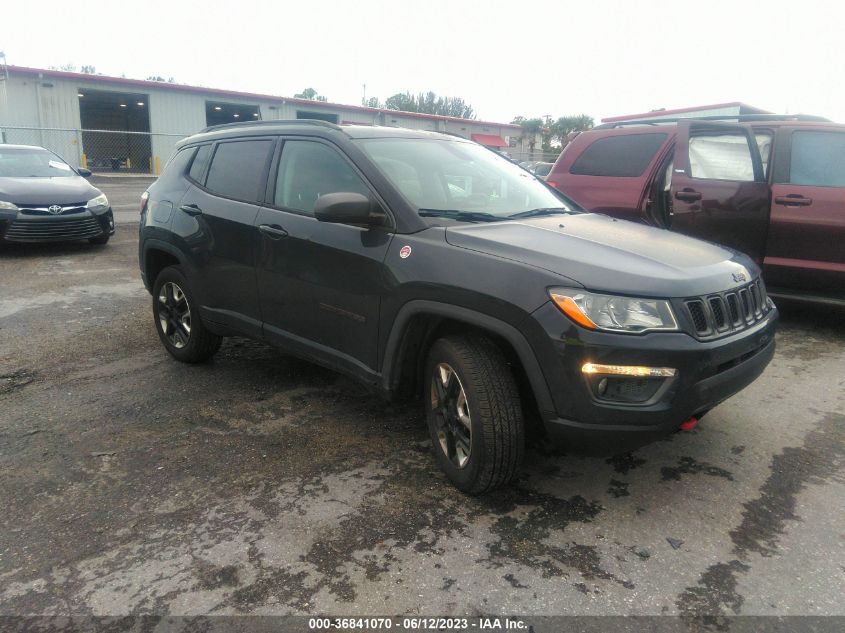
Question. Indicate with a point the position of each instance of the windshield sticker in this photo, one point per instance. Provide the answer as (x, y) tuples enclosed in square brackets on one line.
[(57, 165), (405, 252)]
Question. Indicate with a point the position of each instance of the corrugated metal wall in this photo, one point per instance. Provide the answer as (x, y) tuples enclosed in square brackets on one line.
[(53, 102)]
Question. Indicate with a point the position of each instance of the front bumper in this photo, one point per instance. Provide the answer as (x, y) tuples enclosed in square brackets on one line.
[(22, 227), (708, 372)]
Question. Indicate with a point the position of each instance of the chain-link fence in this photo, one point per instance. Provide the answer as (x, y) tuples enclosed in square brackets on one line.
[(537, 161), (101, 151), (124, 152), (529, 156)]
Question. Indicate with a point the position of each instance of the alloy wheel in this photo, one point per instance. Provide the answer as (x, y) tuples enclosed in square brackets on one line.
[(451, 411), (174, 314)]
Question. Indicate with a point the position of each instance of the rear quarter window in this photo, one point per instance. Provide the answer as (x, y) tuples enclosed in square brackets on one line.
[(619, 156), (817, 159), (197, 171), (176, 166)]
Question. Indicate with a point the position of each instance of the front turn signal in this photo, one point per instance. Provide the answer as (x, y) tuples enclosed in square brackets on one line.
[(571, 309)]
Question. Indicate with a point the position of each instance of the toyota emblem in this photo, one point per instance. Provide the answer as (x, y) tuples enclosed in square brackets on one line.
[(54, 209)]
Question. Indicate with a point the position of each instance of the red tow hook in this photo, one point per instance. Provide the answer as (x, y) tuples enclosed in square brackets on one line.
[(689, 424)]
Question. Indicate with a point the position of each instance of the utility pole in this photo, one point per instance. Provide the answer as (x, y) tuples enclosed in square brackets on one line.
[(364, 98)]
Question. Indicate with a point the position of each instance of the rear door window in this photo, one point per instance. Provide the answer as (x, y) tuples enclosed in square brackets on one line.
[(614, 156), (308, 170), (817, 159), (237, 169), (721, 157)]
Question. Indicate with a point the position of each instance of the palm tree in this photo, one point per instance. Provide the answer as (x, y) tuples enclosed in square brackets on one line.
[(530, 129), (566, 125)]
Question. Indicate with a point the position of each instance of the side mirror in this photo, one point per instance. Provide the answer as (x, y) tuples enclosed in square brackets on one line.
[(346, 207), (85, 173)]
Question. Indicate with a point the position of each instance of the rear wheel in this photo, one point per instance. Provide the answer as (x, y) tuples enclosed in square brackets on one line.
[(177, 320), (474, 413)]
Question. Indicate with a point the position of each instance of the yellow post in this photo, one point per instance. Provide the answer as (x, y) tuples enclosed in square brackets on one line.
[(158, 166), (84, 161)]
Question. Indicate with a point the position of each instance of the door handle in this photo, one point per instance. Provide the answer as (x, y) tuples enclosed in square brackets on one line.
[(191, 209), (688, 195), (794, 200), (273, 231)]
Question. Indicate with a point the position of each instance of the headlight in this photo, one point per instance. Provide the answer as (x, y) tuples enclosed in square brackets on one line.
[(614, 314), (100, 203), (8, 206)]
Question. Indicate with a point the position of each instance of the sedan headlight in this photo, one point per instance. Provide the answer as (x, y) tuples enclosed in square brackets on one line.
[(8, 206), (100, 203), (615, 314)]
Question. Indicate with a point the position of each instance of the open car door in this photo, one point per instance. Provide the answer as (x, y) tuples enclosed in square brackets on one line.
[(718, 190)]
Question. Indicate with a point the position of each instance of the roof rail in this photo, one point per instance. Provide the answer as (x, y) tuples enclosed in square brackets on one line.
[(740, 118), (224, 126)]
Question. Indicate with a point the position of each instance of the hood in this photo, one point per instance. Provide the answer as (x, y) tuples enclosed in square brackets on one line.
[(605, 254), (47, 191)]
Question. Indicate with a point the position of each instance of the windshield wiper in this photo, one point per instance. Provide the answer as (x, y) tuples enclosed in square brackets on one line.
[(533, 213), (469, 216)]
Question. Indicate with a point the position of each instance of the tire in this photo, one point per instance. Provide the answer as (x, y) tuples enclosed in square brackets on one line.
[(490, 402), (100, 240), (185, 337)]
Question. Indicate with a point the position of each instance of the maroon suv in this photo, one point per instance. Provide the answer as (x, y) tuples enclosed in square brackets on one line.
[(773, 188)]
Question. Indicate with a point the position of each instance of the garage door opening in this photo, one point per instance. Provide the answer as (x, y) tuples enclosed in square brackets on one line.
[(115, 130), (219, 113)]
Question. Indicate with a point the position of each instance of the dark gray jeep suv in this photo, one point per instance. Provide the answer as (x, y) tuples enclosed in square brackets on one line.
[(422, 263)]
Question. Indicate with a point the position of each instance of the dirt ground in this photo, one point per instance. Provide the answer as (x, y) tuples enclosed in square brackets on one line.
[(261, 484)]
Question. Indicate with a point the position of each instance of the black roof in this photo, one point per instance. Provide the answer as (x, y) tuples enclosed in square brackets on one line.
[(311, 126)]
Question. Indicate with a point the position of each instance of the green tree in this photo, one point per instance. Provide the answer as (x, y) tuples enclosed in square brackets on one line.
[(530, 129), (430, 103), (88, 70), (310, 93), (566, 125)]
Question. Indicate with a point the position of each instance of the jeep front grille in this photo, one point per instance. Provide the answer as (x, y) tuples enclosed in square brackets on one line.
[(724, 312)]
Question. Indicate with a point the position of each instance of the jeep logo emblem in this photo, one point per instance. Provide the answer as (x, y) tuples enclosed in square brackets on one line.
[(738, 277), (54, 209)]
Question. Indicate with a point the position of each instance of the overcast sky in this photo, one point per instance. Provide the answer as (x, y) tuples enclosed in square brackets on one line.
[(511, 58)]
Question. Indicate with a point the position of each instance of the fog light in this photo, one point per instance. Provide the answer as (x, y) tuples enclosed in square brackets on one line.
[(629, 370), (602, 387)]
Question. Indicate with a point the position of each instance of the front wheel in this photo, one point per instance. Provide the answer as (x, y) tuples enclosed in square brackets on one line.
[(177, 319), (474, 413)]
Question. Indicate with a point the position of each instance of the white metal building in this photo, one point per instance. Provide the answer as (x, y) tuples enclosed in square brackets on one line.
[(130, 124)]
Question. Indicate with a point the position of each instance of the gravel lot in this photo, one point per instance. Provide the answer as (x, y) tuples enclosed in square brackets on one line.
[(261, 484)]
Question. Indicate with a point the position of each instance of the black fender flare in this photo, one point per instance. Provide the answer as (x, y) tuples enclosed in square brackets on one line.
[(159, 245), (392, 362)]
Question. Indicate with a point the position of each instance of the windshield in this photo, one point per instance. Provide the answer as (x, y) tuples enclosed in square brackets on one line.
[(443, 177), (32, 162)]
